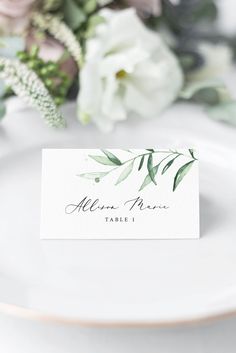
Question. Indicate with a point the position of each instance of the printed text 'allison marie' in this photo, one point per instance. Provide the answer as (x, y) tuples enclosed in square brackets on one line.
[(89, 205)]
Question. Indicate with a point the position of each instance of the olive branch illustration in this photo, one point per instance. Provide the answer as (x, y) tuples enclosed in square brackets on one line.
[(145, 159)]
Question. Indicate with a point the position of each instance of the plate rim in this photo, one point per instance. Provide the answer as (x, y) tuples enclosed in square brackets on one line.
[(39, 316)]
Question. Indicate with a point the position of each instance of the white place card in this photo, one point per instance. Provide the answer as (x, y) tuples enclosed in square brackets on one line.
[(120, 194)]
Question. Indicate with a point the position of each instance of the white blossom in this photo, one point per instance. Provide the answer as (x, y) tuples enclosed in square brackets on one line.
[(127, 69)]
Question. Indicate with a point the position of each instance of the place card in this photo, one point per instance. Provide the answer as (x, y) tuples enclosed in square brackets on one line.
[(108, 193)]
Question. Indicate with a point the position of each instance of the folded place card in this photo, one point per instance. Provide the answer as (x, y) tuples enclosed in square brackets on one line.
[(120, 194)]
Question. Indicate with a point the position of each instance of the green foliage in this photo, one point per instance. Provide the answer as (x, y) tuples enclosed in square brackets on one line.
[(51, 5), (112, 157), (168, 165), (2, 109), (93, 176), (225, 112), (181, 173), (148, 179), (210, 92), (74, 15), (90, 6), (141, 163), (213, 94), (125, 173), (187, 23), (188, 14), (150, 168), (55, 80), (91, 25), (79, 15), (102, 160), (191, 151), (127, 166)]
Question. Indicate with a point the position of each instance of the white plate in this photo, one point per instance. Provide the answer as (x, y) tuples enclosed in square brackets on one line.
[(117, 282)]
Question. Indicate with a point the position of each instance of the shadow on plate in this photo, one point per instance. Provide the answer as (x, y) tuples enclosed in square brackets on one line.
[(210, 216)]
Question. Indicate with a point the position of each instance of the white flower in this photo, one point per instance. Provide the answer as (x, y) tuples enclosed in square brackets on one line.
[(128, 69), (218, 59)]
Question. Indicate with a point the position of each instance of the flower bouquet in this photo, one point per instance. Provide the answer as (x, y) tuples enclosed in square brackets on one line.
[(117, 59)]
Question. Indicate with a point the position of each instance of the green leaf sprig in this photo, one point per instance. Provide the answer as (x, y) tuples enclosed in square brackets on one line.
[(109, 159)]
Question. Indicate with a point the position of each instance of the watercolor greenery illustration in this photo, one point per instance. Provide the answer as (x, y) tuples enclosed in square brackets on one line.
[(145, 160)]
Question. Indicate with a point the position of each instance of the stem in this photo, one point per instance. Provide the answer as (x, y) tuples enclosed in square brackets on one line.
[(167, 157), (145, 154), (148, 153), (170, 153)]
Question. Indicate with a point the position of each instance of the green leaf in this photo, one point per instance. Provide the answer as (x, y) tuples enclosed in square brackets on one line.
[(73, 14), (126, 172), (147, 179), (104, 2), (2, 109), (90, 6), (209, 96), (168, 165), (102, 160), (223, 112), (191, 151), (181, 173), (93, 176), (150, 168), (205, 10), (209, 92), (141, 162), (51, 5), (150, 150), (193, 87), (93, 22), (112, 157), (2, 89)]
